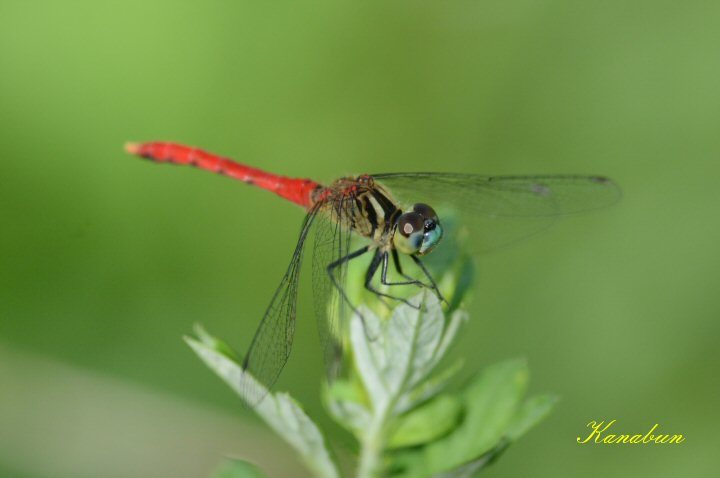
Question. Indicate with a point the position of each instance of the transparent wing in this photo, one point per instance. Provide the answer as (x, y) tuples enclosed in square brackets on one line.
[(332, 239), (270, 347), (493, 211), (329, 225)]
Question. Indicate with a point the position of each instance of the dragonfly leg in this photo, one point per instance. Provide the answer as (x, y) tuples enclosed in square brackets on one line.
[(398, 268), (380, 257), (432, 281), (333, 265)]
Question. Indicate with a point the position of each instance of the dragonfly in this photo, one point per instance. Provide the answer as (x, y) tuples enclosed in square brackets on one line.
[(396, 215)]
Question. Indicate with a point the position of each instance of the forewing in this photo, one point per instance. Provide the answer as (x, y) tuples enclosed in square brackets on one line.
[(270, 347), (498, 210)]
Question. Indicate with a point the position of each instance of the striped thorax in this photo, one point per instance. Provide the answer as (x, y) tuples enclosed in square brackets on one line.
[(362, 205)]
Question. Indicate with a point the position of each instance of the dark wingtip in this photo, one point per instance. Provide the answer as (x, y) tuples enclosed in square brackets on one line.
[(611, 186), (603, 180)]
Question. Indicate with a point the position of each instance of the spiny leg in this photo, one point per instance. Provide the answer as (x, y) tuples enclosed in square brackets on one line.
[(398, 267), (378, 258), (396, 260), (434, 286), (333, 265)]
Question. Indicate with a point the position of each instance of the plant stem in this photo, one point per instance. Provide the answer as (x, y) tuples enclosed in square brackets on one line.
[(370, 463)]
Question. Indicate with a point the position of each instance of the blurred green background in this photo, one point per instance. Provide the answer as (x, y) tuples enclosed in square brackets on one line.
[(106, 261)]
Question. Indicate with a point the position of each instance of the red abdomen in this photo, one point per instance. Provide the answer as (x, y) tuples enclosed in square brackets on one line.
[(296, 190)]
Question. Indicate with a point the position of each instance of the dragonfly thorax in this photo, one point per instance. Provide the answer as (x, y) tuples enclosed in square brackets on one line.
[(362, 205)]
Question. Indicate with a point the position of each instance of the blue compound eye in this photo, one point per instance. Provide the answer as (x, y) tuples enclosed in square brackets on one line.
[(431, 237)]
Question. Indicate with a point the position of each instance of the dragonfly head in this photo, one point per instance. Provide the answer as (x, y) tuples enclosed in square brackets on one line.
[(417, 231)]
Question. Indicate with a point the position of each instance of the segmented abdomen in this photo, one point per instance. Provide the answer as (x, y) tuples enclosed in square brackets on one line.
[(299, 191)]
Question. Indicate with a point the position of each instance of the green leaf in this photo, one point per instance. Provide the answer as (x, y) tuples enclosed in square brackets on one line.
[(412, 339), (456, 282), (532, 412), (393, 356), (426, 423), (428, 388), (278, 410), (343, 401), (345, 390), (458, 318), (369, 354), (214, 343), (491, 402), (468, 470), (238, 469)]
